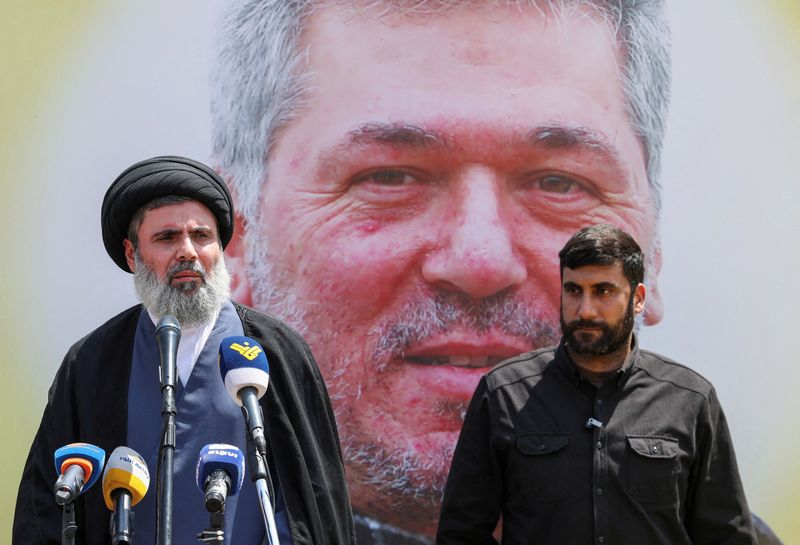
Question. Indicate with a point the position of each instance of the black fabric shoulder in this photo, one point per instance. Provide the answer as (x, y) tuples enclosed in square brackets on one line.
[(94, 374), (521, 367), (297, 409), (667, 370)]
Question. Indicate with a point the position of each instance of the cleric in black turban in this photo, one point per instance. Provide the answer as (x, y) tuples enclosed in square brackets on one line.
[(159, 177)]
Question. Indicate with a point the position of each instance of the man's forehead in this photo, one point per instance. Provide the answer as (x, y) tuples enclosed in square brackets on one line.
[(426, 11), (423, 54), (595, 274), (171, 214), (473, 18)]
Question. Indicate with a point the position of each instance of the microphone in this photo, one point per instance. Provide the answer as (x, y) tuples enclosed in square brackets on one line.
[(219, 473), (593, 423), (245, 372), (168, 335), (125, 482), (78, 466)]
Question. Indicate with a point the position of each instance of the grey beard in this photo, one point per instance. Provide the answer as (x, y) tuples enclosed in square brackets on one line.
[(396, 472), (265, 294), (402, 474), (191, 306)]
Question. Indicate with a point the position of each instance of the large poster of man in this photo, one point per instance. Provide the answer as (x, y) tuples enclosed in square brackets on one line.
[(405, 174)]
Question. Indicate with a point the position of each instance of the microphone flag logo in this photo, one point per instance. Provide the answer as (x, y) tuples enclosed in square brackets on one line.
[(247, 351)]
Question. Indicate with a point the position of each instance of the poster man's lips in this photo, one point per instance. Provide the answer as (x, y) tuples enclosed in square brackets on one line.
[(479, 351), (458, 361)]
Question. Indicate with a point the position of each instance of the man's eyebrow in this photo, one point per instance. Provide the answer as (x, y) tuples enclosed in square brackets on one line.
[(567, 137), (605, 285), (165, 232), (410, 137), (401, 135), (173, 231), (406, 135)]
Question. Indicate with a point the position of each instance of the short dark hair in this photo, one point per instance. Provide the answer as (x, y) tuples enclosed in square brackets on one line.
[(603, 245)]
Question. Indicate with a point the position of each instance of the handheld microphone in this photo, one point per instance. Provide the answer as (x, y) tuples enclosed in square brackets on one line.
[(245, 372), (220, 472), (78, 466), (125, 482), (168, 335)]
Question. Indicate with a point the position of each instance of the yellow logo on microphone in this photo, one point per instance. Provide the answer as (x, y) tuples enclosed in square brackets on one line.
[(249, 352)]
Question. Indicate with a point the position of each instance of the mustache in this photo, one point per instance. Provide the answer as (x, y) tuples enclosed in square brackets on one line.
[(192, 266), (587, 324), (426, 316)]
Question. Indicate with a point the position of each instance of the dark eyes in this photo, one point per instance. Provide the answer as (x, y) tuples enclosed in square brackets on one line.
[(403, 186), (552, 183), (556, 184), (168, 237), (573, 290), (387, 178)]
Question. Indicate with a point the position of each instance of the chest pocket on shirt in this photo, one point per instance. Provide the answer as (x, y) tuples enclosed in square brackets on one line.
[(544, 469), (652, 463)]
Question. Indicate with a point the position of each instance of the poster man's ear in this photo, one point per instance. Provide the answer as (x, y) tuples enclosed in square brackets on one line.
[(236, 251), (654, 309), (236, 261)]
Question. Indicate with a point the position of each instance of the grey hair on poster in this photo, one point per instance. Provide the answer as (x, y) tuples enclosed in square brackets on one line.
[(258, 85)]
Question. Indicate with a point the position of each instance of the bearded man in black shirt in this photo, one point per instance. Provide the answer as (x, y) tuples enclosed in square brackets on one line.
[(595, 440)]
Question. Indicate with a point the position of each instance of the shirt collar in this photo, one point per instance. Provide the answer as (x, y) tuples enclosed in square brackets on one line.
[(570, 368), (191, 343)]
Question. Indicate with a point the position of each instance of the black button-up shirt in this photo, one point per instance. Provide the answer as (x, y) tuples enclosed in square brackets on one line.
[(655, 465)]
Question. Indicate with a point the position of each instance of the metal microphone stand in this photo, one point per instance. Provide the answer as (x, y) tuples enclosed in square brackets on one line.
[(168, 334), (68, 525), (257, 462), (215, 533), (166, 455)]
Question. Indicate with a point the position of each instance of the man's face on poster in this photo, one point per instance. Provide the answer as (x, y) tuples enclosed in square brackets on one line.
[(414, 212)]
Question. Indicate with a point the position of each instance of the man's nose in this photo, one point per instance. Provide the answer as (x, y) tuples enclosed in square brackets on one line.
[(587, 309), (476, 252), (186, 250)]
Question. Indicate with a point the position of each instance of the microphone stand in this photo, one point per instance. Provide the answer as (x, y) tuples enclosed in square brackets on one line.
[(68, 525), (168, 335), (122, 528), (257, 462), (215, 533), (166, 464)]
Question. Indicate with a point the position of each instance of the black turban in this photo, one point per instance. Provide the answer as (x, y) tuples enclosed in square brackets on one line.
[(159, 177)]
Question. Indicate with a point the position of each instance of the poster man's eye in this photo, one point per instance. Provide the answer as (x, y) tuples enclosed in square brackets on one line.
[(388, 178), (557, 184)]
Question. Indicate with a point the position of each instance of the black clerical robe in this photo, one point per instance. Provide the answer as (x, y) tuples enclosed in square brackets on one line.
[(88, 403)]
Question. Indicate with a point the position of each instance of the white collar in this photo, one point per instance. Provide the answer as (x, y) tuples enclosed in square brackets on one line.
[(193, 339)]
